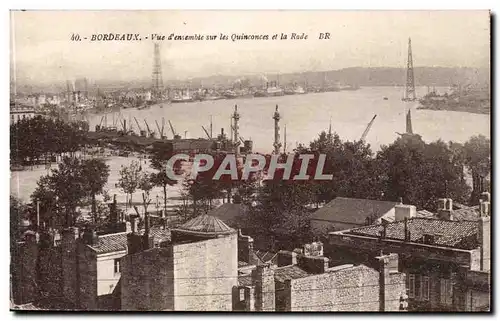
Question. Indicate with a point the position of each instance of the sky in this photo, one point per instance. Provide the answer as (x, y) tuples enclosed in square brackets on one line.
[(42, 51)]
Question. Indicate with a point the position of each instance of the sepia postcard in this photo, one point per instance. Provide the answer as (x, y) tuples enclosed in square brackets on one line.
[(255, 161)]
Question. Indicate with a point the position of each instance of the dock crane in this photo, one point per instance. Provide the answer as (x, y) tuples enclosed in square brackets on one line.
[(367, 129), (160, 131), (206, 132), (141, 131), (151, 133), (100, 123), (173, 130)]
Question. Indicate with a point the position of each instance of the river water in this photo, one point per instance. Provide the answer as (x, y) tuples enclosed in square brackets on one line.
[(304, 115)]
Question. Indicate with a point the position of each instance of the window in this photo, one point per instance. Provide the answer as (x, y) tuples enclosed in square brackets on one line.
[(425, 288), (418, 287), (117, 266), (242, 294), (411, 286), (446, 291)]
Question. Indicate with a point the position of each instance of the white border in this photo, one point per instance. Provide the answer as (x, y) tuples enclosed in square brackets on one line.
[(189, 4)]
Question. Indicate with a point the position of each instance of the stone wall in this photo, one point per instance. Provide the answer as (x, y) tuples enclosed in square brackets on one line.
[(205, 274), (352, 289), (147, 281)]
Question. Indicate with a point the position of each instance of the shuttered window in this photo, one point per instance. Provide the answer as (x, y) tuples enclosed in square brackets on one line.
[(425, 288), (411, 286), (446, 292)]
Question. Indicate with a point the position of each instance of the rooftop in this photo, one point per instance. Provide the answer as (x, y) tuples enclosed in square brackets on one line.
[(118, 241), (468, 213), (206, 224), (456, 234), (289, 272), (352, 210)]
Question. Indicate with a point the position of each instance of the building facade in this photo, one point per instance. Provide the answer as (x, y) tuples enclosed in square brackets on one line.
[(446, 262)]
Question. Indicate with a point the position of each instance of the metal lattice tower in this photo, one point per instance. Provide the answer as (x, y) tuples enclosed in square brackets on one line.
[(157, 76), (277, 144), (410, 94)]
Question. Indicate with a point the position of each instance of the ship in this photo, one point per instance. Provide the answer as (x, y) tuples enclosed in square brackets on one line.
[(296, 90), (229, 94), (271, 90), (183, 97)]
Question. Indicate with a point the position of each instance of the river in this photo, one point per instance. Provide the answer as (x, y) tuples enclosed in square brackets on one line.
[(304, 115)]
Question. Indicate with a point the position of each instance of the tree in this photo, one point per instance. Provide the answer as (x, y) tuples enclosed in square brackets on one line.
[(146, 185), (159, 161), (18, 212), (421, 173), (477, 151), (96, 173), (129, 179), (62, 191)]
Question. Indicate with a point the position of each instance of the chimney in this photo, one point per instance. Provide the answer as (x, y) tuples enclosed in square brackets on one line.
[(263, 279), (484, 241), (383, 233), (407, 231), (134, 224), (313, 249), (90, 236), (484, 208), (147, 240), (402, 211), (245, 248), (69, 264), (113, 213), (287, 258), (388, 264), (445, 209), (313, 264)]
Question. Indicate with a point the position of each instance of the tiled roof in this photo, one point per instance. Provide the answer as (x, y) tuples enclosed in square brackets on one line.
[(289, 272), (118, 241), (110, 243), (457, 234), (206, 224), (352, 210), (159, 235), (466, 213)]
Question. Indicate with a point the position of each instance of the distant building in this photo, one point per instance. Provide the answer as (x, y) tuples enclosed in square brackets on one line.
[(19, 112), (447, 262)]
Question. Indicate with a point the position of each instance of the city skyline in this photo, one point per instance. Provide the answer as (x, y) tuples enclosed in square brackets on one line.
[(41, 55)]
